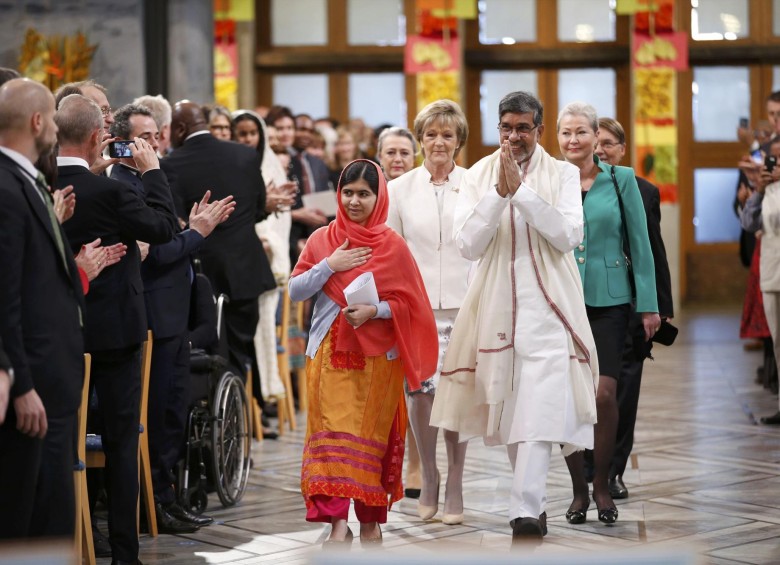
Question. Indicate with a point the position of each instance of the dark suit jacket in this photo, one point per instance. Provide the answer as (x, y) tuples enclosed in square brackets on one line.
[(111, 210), (166, 271), (651, 199), (39, 298), (232, 257)]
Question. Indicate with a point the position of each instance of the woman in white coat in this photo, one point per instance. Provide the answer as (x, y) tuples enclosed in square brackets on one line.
[(422, 207)]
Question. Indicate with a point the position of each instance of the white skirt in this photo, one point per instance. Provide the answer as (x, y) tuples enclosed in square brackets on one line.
[(445, 319)]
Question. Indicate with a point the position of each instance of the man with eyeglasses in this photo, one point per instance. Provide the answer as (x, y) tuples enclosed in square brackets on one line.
[(99, 95), (167, 279), (521, 367)]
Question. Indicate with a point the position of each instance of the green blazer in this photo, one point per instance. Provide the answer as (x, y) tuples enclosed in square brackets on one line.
[(600, 256)]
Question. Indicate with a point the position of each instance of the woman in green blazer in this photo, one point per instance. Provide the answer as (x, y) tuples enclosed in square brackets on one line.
[(608, 290)]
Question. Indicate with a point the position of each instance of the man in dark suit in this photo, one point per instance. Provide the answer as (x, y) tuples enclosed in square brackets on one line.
[(115, 322), (611, 148), (41, 306), (167, 278), (232, 257)]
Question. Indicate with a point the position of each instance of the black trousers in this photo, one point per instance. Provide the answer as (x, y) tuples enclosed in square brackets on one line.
[(167, 411), (36, 480), (628, 387), (116, 375), (241, 317)]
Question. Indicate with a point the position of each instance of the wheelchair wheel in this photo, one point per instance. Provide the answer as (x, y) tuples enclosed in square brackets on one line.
[(197, 501), (231, 439)]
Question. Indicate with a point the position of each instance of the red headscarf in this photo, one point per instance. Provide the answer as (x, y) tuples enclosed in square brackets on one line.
[(412, 326)]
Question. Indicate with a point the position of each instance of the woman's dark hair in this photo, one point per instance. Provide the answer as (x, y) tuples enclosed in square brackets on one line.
[(261, 135), (357, 170)]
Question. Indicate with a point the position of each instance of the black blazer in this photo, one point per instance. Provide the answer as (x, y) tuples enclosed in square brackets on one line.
[(232, 257), (166, 272), (40, 298), (111, 210), (651, 199)]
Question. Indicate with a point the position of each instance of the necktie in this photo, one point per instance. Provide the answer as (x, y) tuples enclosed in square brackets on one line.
[(40, 184)]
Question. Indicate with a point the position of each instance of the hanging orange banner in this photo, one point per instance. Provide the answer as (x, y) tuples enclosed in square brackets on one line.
[(426, 54)]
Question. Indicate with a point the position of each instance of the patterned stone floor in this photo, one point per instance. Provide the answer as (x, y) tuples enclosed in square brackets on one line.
[(704, 483)]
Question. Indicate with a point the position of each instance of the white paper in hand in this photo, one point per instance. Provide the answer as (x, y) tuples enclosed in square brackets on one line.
[(362, 290)]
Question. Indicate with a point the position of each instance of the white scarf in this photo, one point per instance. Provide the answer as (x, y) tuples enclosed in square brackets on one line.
[(480, 356)]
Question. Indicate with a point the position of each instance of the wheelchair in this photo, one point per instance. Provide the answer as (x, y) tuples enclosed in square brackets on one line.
[(219, 429)]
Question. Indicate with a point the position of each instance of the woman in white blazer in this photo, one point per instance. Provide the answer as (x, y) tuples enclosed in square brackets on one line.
[(422, 207)]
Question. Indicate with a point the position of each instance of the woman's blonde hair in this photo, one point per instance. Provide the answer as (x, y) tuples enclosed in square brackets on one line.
[(447, 112)]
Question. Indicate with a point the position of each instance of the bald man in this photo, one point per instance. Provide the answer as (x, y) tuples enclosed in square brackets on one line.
[(232, 257), (41, 306)]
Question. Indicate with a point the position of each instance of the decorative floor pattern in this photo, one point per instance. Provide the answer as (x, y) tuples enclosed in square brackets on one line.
[(705, 479)]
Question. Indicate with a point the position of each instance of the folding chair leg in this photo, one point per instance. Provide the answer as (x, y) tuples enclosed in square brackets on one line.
[(257, 423), (147, 490), (85, 522)]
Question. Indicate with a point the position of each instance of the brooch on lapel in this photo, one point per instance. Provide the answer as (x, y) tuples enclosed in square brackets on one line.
[(455, 189)]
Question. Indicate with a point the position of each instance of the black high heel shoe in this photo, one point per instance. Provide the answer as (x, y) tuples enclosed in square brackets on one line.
[(577, 515), (608, 515)]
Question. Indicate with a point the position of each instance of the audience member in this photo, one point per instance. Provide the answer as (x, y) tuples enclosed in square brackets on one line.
[(166, 274), (762, 212), (232, 257), (99, 95), (218, 119), (304, 219), (396, 149), (41, 312), (161, 112), (344, 152), (115, 322)]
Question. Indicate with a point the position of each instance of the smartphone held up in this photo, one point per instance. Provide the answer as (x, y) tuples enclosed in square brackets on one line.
[(120, 149)]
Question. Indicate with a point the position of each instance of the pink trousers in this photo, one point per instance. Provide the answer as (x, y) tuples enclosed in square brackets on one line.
[(327, 508)]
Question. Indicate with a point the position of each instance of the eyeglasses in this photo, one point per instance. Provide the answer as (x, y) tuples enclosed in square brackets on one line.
[(523, 130), (106, 110), (219, 127), (607, 145)]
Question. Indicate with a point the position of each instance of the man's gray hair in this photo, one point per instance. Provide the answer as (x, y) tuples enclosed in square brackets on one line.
[(160, 107), (580, 109), (77, 118), (121, 127), (521, 102)]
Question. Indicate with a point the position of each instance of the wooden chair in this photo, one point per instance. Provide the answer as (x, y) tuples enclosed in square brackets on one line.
[(144, 461), (254, 408), (286, 404), (85, 547), (95, 457)]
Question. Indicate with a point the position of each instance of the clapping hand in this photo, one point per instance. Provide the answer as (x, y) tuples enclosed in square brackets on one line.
[(93, 258), (205, 216), (64, 203)]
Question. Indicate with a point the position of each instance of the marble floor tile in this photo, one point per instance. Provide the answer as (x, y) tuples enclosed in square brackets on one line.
[(704, 481)]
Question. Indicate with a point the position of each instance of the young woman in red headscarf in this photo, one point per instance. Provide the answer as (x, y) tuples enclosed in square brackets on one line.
[(357, 357)]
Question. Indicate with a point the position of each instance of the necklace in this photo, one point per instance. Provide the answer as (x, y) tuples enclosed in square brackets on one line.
[(440, 183)]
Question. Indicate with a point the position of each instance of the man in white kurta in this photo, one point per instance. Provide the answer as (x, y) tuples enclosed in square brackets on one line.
[(521, 369)]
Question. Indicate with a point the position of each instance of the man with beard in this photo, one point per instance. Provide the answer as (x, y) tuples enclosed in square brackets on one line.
[(41, 307)]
